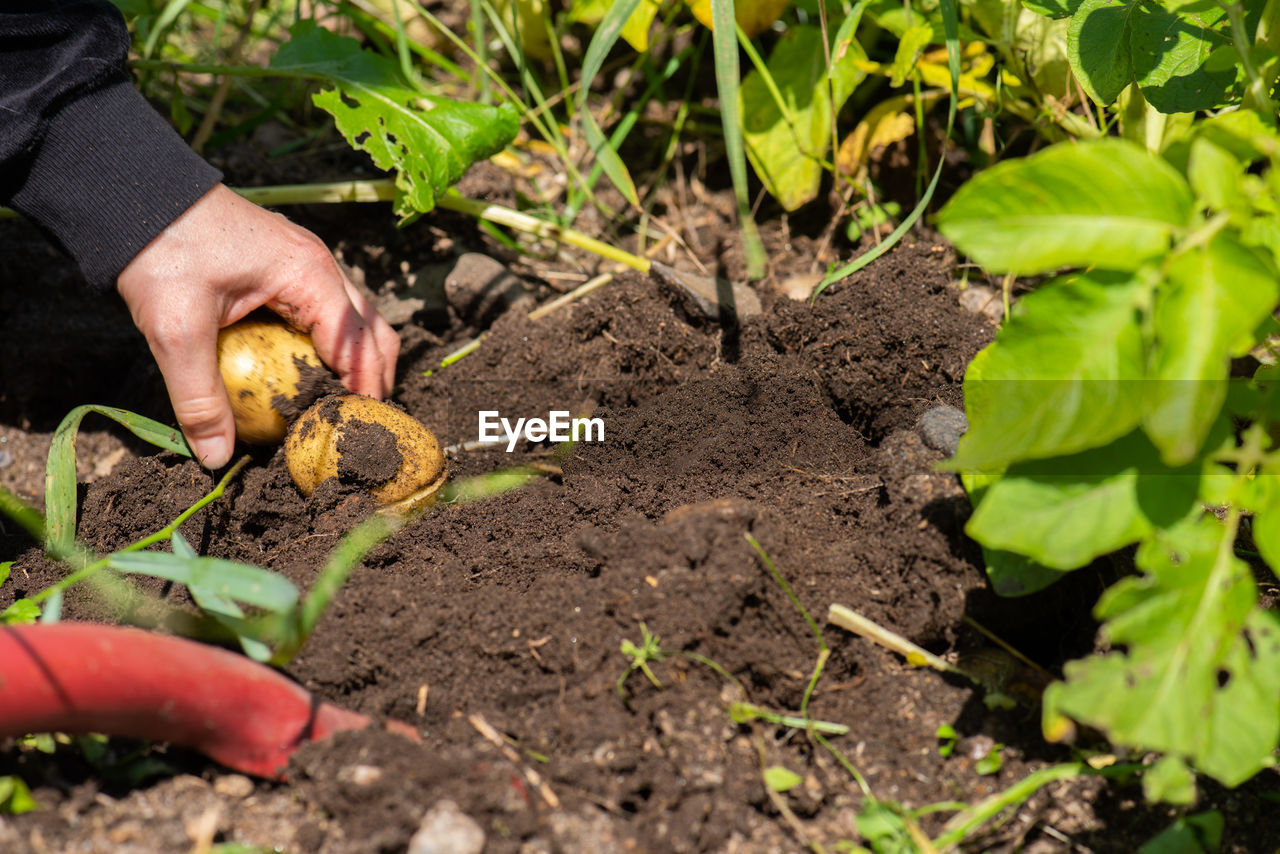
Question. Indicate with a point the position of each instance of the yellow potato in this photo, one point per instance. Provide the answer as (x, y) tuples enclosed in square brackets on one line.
[(262, 364), (371, 444)]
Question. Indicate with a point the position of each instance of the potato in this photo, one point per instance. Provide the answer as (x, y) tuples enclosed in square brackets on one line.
[(369, 444), (266, 365)]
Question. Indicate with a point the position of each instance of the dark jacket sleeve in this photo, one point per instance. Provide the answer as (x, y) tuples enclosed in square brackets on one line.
[(82, 154)]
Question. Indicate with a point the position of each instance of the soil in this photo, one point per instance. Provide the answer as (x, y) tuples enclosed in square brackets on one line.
[(495, 626)]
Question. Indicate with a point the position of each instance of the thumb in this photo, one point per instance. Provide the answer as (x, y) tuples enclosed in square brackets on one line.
[(187, 355)]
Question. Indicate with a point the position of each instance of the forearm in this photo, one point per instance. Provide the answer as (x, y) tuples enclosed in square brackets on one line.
[(81, 152)]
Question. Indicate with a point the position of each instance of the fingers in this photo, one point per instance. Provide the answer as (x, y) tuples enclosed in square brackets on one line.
[(185, 348), (349, 334), (385, 337)]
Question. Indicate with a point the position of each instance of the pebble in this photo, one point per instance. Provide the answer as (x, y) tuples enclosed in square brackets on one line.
[(361, 775), (233, 786), (942, 427), (6, 459), (480, 288), (983, 300), (446, 829)]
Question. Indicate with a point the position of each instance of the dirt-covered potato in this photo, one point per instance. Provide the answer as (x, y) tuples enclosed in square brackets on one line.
[(267, 368), (370, 445)]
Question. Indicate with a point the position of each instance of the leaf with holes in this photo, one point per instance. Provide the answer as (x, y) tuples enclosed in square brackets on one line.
[(428, 142), (1200, 671)]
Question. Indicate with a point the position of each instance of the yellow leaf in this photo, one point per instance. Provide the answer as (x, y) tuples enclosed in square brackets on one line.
[(533, 33), (754, 16), (888, 122), (636, 29)]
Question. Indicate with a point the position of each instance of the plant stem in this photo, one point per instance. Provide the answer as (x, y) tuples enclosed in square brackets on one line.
[(163, 534), (915, 655), (573, 296), (383, 190), (959, 827), (523, 222)]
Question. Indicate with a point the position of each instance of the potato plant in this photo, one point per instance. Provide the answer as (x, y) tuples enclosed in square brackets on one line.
[(1130, 401)]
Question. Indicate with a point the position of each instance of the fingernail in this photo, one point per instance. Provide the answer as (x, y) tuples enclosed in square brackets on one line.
[(213, 453)]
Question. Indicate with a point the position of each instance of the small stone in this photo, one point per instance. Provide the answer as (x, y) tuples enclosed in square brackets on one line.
[(942, 427), (233, 786), (480, 288), (446, 829), (983, 300), (800, 287), (715, 299), (6, 459), (361, 775)]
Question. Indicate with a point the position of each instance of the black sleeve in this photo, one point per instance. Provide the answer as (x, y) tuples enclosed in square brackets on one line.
[(82, 154)]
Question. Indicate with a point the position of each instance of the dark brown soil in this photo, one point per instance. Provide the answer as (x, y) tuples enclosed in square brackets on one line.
[(495, 627)]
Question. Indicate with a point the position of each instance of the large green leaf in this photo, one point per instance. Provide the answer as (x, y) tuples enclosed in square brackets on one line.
[(1010, 573), (1182, 54), (1067, 511), (1098, 47), (1107, 203), (1053, 8), (1215, 297), (787, 149), (1200, 675), (1061, 376), (428, 142)]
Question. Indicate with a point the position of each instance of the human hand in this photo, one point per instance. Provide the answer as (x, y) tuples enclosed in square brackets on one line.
[(220, 260)]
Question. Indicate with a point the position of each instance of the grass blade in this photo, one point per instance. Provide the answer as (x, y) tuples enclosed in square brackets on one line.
[(60, 472), (602, 42), (725, 44), (951, 27)]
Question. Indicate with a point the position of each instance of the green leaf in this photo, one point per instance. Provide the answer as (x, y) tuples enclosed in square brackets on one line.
[(884, 828), (1066, 511), (781, 779), (910, 47), (991, 763), (1215, 174), (1201, 673), (23, 612), (1012, 574), (213, 578), (1192, 834), (1053, 8), (1098, 47), (1169, 781), (1216, 296), (428, 142), (60, 471), (15, 796), (1242, 132), (1106, 203), (947, 738), (5, 568), (1182, 54), (1060, 376), (1040, 51), (787, 148)]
